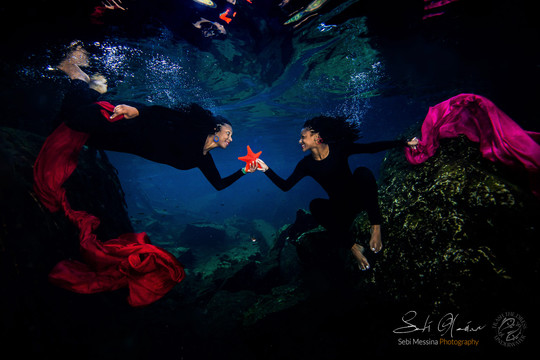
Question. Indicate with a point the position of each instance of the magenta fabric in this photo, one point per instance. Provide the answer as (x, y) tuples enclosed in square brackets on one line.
[(435, 4), (128, 261), (476, 117)]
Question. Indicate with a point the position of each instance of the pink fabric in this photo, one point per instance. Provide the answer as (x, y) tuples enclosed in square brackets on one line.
[(434, 4), (476, 117), (129, 261), (431, 4)]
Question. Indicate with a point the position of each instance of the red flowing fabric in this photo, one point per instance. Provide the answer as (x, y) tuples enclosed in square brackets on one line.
[(476, 117), (129, 261)]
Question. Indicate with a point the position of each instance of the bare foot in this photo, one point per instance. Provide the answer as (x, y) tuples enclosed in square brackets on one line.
[(358, 253), (98, 83), (375, 243), (72, 63), (76, 56)]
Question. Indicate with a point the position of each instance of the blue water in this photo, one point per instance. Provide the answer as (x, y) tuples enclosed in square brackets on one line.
[(382, 70), (175, 192), (266, 120)]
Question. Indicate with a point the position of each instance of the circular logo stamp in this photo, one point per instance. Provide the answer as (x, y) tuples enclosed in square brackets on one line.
[(509, 329)]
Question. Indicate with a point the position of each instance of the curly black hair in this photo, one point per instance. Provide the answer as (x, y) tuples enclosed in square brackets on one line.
[(220, 120), (333, 129), (204, 118)]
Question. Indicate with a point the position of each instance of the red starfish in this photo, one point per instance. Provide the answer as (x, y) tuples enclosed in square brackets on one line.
[(250, 157)]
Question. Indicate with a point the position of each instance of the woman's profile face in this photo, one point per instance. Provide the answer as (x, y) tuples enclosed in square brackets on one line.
[(307, 139), (225, 136)]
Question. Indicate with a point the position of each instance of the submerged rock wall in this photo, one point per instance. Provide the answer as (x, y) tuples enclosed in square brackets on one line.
[(459, 230), (33, 240)]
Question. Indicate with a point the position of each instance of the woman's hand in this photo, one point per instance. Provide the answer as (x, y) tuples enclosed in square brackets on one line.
[(129, 112), (113, 4), (413, 143), (251, 167), (261, 165)]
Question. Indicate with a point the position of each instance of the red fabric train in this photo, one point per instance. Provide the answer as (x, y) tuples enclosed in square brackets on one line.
[(129, 261)]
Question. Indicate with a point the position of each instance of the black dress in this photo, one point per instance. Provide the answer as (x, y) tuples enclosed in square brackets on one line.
[(160, 134), (349, 193)]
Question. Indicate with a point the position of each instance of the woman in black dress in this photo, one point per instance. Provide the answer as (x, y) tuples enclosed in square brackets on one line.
[(180, 138), (331, 141)]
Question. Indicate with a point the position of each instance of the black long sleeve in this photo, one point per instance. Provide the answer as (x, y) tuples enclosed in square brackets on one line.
[(209, 170), (332, 173), (374, 147), (167, 136), (286, 185)]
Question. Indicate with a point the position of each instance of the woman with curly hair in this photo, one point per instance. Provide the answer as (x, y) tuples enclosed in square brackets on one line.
[(181, 138), (331, 140)]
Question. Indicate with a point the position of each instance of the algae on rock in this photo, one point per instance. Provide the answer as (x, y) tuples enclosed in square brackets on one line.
[(458, 229)]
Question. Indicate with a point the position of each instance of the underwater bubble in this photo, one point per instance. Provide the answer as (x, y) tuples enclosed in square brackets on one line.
[(362, 86), (157, 71), (115, 58)]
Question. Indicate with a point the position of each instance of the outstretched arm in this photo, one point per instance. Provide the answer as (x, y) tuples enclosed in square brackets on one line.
[(284, 185), (113, 4), (355, 148), (210, 172)]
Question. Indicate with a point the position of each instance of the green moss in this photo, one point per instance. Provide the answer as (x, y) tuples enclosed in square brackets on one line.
[(447, 224)]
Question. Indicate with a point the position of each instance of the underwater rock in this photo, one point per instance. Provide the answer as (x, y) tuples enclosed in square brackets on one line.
[(184, 255), (255, 231), (458, 230), (245, 279), (93, 187), (209, 239), (321, 266), (225, 264), (265, 232), (204, 236), (304, 222), (313, 245), (226, 308), (33, 240), (282, 298)]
